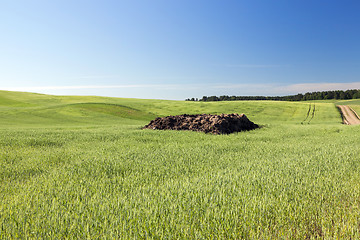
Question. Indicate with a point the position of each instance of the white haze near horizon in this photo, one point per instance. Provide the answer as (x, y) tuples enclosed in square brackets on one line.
[(183, 91)]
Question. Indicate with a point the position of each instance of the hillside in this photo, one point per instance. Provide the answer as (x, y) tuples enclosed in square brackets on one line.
[(76, 167), (30, 109)]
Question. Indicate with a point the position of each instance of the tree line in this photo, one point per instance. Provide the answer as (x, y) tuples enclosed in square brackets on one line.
[(324, 95)]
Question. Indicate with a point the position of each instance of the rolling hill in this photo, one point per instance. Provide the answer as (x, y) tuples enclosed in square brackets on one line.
[(76, 167)]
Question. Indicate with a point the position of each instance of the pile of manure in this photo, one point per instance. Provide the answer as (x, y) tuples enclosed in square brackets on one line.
[(208, 123)]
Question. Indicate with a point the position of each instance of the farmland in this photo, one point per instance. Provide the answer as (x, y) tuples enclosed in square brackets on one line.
[(81, 167)]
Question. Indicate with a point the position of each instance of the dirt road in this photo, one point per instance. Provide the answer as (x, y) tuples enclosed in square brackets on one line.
[(350, 117)]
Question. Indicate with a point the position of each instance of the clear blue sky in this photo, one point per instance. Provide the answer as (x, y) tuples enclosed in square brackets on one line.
[(175, 49)]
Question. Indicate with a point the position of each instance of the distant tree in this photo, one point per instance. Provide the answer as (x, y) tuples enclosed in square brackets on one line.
[(356, 95), (339, 94), (204, 98)]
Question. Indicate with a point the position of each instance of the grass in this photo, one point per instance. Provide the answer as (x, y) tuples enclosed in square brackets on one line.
[(349, 102), (354, 104), (356, 108), (81, 167)]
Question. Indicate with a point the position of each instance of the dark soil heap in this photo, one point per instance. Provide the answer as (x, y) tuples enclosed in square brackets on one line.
[(216, 124)]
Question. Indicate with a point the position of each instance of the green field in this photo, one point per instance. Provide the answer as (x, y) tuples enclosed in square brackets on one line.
[(354, 104), (82, 168)]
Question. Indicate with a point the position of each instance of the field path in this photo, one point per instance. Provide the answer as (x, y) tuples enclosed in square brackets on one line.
[(350, 117)]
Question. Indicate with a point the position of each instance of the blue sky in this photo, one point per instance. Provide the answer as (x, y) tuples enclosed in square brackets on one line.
[(172, 49)]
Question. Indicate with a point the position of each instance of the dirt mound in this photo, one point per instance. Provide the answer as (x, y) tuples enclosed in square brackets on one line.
[(216, 124)]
